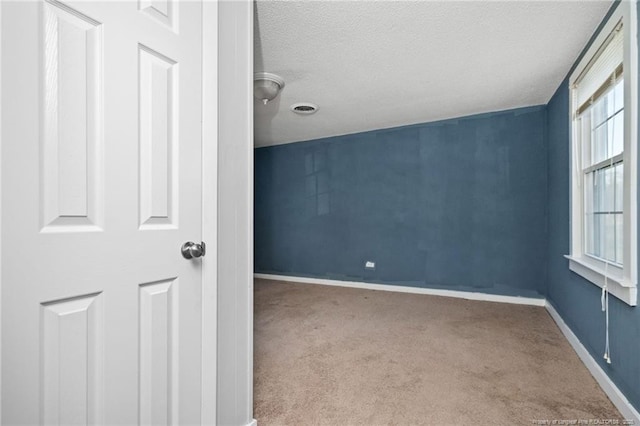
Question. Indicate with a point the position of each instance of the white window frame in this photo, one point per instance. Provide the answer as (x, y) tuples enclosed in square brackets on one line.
[(621, 281)]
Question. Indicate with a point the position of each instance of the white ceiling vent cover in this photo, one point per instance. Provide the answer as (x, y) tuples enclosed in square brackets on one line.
[(304, 108)]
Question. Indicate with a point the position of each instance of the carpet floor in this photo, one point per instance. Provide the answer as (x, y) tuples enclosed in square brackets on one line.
[(341, 356)]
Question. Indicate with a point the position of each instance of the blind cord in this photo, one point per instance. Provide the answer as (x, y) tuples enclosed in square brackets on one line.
[(604, 300), (576, 158)]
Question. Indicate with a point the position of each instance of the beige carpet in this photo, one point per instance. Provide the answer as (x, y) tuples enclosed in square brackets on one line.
[(340, 356)]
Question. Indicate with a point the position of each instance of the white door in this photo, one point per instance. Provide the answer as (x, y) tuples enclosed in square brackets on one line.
[(101, 185)]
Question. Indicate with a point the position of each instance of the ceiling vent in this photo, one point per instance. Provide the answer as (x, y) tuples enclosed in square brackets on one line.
[(304, 108)]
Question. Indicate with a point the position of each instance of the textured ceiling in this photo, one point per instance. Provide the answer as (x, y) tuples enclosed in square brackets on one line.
[(371, 65)]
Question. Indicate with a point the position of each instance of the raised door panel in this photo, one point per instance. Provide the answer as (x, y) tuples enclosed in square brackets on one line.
[(159, 352), (71, 344), (71, 128), (162, 11), (158, 140)]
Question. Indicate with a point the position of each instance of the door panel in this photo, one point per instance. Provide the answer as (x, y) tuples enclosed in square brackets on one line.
[(159, 311), (158, 139), (72, 373), (101, 173), (165, 12), (71, 142)]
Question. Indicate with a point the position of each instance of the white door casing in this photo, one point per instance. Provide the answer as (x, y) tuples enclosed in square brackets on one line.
[(101, 184), (235, 213)]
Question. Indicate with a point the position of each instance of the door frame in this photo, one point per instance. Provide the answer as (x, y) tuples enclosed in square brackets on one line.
[(209, 186), (235, 213), (1, 243), (209, 132)]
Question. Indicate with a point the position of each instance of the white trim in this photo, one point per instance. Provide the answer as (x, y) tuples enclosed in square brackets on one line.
[(209, 211), (253, 422), (613, 392), (235, 209), (624, 285), (631, 143), (532, 301), (249, 7), (1, 213), (616, 283)]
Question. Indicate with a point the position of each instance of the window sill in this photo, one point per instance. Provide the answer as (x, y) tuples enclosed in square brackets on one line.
[(618, 285)]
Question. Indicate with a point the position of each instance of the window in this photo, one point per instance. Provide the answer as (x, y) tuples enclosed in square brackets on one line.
[(603, 175), (603, 111)]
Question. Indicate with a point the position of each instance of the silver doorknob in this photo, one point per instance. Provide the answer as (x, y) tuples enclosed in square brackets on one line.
[(191, 250)]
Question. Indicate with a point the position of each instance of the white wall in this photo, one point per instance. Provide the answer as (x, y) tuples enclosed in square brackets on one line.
[(235, 213)]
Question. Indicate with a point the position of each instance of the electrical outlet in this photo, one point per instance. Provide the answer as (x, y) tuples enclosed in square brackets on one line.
[(369, 265)]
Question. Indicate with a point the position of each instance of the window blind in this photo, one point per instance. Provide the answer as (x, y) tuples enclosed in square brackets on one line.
[(602, 72)]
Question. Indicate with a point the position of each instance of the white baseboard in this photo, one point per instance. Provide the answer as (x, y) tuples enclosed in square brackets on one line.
[(615, 395), (253, 422), (406, 289)]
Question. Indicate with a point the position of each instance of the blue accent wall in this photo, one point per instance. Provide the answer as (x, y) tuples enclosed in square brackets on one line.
[(575, 299), (457, 204), (477, 203)]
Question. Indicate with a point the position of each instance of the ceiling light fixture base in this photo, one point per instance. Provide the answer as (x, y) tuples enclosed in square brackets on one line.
[(267, 86)]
